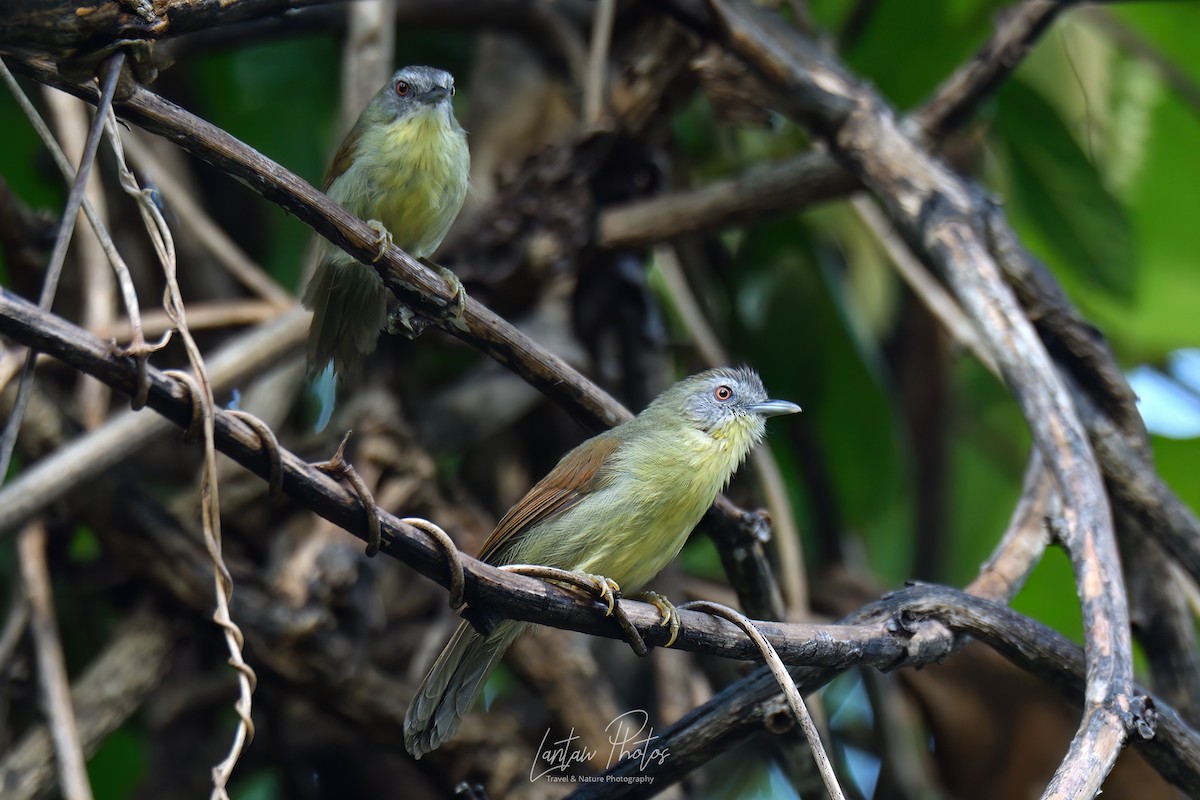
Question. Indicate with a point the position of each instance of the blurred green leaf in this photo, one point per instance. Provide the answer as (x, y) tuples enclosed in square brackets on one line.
[(84, 547), (117, 768), (1062, 193), (260, 785), (1049, 596), (948, 31)]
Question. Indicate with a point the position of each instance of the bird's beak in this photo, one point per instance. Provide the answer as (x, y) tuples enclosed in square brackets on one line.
[(435, 95), (775, 408)]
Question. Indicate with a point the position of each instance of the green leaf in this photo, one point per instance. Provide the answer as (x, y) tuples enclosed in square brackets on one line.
[(84, 547), (1060, 191), (119, 766)]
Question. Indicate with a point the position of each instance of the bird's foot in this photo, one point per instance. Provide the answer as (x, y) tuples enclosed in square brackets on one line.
[(403, 321), (458, 295), (667, 612), (605, 589), (384, 240)]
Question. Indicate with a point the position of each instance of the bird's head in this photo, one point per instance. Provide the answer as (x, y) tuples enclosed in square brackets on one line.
[(417, 89), (727, 403)]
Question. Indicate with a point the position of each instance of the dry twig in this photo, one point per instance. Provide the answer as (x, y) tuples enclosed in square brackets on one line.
[(52, 669)]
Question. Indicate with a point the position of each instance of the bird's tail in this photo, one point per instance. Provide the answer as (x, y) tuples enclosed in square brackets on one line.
[(453, 683), (324, 388), (349, 304)]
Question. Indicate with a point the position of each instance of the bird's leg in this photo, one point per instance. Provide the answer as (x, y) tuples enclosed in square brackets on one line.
[(605, 589), (666, 610), (458, 294), (404, 321), (384, 240)]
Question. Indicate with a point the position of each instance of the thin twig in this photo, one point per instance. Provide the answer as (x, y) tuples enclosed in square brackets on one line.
[(785, 534), (111, 70), (603, 15), (211, 236), (937, 300), (1017, 30), (14, 625), (55, 476), (124, 279), (214, 315), (99, 294), (788, 687), (1024, 541), (52, 668), (210, 505)]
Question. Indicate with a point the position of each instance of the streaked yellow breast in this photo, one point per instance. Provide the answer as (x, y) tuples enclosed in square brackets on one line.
[(663, 482), (411, 175)]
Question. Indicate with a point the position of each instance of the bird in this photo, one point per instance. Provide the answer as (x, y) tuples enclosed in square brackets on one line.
[(404, 168), (616, 510)]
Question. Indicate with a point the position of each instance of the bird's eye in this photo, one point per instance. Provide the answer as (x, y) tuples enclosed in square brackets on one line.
[(722, 393), (452, 91), (402, 88)]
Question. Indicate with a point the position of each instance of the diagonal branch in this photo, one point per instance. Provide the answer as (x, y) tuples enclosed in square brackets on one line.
[(817, 177), (413, 282), (485, 586), (938, 214), (902, 629)]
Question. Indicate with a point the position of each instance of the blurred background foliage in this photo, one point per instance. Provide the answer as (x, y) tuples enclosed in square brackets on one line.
[(1092, 147)]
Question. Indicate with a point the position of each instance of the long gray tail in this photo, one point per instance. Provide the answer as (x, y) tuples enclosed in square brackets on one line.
[(453, 683), (349, 304)]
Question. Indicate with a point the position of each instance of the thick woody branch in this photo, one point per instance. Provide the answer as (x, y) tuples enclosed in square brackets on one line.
[(108, 693), (413, 282), (886, 634), (751, 705), (935, 210), (817, 177), (486, 586), (410, 280), (161, 32)]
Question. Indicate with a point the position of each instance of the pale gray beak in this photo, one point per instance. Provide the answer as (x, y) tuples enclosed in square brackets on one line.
[(435, 95), (775, 408)]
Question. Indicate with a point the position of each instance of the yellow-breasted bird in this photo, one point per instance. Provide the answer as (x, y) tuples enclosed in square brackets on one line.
[(403, 167), (620, 506)]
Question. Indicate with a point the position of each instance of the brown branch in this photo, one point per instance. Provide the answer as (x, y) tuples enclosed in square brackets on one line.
[(486, 586), (959, 96), (884, 634), (55, 476), (817, 177), (110, 690), (66, 30), (936, 212), (745, 708), (52, 667)]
